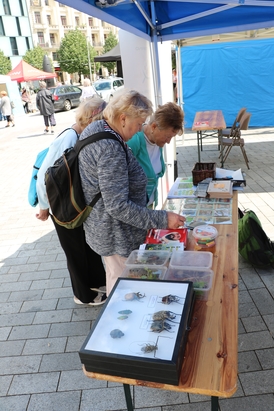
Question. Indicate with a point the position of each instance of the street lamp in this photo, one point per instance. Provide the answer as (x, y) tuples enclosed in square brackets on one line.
[(90, 74)]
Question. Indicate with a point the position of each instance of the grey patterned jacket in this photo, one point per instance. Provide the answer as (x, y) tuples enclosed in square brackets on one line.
[(119, 221)]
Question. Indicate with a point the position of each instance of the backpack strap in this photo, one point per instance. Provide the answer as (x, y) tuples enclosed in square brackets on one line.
[(92, 139)]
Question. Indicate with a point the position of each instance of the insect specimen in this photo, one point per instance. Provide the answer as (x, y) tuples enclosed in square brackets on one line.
[(116, 333), (159, 326), (134, 296), (125, 312), (168, 299), (164, 315), (122, 317)]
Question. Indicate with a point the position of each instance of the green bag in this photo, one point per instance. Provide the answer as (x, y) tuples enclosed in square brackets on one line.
[(254, 245)]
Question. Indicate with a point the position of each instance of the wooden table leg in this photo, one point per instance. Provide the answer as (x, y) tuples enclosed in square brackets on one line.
[(128, 397), (222, 154), (214, 403)]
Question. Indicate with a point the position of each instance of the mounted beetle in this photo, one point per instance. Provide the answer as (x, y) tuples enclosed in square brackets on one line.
[(168, 299), (164, 315), (159, 326)]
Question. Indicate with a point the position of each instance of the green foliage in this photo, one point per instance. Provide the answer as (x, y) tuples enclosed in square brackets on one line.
[(111, 41), (5, 64), (35, 57), (73, 53)]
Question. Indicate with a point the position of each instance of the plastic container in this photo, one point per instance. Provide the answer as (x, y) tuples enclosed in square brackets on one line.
[(145, 272), (191, 259), (201, 278), (205, 236), (148, 257)]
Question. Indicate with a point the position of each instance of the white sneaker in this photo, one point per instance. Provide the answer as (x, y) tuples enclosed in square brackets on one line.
[(99, 300)]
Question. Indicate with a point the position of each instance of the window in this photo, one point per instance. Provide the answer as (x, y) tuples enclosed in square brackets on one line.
[(41, 39), (93, 38), (77, 21), (49, 19), (2, 31), (54, 55), (6, 7), (37, 17), (52, 38), (46, 2), (90, 21), (21, 8), (63, 20), (14, 48), (27, 43), (18, 26)]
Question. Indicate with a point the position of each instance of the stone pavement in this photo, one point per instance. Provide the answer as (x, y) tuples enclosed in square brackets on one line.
[(41, 329)]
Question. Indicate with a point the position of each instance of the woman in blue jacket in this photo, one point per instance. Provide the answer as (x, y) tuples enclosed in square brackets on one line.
[(147, 145)]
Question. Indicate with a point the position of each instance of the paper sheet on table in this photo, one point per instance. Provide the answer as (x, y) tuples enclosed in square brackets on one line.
[(222, 173)]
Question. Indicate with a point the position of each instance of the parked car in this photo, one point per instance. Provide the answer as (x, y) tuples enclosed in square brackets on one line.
[(65, 97), (107, 87)]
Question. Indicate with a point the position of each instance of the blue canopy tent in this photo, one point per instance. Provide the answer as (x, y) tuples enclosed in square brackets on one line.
[(162, 20)]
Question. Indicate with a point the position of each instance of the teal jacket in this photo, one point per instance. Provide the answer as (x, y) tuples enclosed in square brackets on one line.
[(138, 146)]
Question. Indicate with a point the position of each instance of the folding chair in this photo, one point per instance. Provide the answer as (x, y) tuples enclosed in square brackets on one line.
[(236, 140), (229, 132)]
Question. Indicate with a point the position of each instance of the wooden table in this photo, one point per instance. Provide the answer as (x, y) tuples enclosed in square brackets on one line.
[(210, 363), (205, 121)]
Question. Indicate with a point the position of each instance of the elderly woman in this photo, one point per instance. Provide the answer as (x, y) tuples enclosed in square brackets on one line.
[(147, 145), (85, 266), (119, 221), (45, 105), (6, 108), (87, 91)]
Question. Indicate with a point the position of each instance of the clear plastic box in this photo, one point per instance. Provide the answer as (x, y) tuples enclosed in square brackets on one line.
[(148, 257), (191, 259), (201, 278), (145, 272), (205, 236)]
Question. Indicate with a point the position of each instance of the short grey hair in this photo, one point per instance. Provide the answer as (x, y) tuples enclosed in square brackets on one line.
[(42, 84)]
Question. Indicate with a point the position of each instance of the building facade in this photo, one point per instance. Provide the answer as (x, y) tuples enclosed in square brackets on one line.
[(15, 30), (51, 20)]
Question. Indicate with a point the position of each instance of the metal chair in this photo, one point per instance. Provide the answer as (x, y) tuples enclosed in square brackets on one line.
[(236, 139), (229, 132)]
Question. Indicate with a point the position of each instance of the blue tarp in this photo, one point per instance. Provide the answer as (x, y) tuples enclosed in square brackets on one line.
[(228, 76)]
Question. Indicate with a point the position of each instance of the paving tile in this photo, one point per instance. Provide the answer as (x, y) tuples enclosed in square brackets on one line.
[(255, 341), (39, 305), (4, 333), (15, 403), (254, 323), (58, 293), (258, 382), (30, 331), (76, 380), (20, 365), (248, 361), (55, 401), (10, 308), (8, 278), (70, 329), (34, 383), (60, 362), (46, 284), (38, 275), (16, 319), (22, 285), (45, 346), (75, 343), (86, 313), (251, 278), (269, 320), (202, 406), (266, 358), (253, 403), (26, 295), (5, 382), (11, 348), (146, 397), (52, 317), (104, 400), (263, 301)]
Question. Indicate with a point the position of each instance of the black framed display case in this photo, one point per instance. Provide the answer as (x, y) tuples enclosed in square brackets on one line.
[(142, 331)]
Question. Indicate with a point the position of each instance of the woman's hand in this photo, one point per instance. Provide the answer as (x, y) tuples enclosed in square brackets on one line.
[(174, 220), (43, 215)]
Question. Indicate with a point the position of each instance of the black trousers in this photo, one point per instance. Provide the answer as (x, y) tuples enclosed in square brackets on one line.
[(85, 267)]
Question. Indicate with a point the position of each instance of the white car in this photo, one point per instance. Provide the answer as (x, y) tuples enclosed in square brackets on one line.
[(107, 87)]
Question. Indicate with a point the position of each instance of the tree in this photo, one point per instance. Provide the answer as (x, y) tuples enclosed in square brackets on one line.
[(73, 53), (111, 41), (35, 57), (5, 64)]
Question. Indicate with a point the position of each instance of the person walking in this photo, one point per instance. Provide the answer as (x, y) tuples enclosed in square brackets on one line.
[(87, 91), (45, 105), (147, 145), (85, 266), (6, 108), (120, 219), (25, 97)]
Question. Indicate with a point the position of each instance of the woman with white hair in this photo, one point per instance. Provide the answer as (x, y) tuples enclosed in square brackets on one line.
[(88, 90), (6, 108), (45, 105)]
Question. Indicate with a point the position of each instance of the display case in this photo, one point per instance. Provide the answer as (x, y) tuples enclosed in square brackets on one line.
[(142, 331)]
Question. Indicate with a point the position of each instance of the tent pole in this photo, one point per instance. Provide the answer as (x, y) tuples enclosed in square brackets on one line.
[(156, 68)]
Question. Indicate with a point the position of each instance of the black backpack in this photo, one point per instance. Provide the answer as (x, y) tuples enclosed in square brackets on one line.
[(254, 245), (63, 185)]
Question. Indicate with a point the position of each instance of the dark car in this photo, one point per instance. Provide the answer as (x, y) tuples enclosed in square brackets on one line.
[(65, 97)]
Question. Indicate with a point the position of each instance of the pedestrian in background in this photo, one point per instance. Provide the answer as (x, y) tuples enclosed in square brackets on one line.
[(25, 97), (87, 91), (45, 105), (6, 108), (147, 145)]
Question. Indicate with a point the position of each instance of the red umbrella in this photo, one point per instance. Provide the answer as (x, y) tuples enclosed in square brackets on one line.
[(25, 72)]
